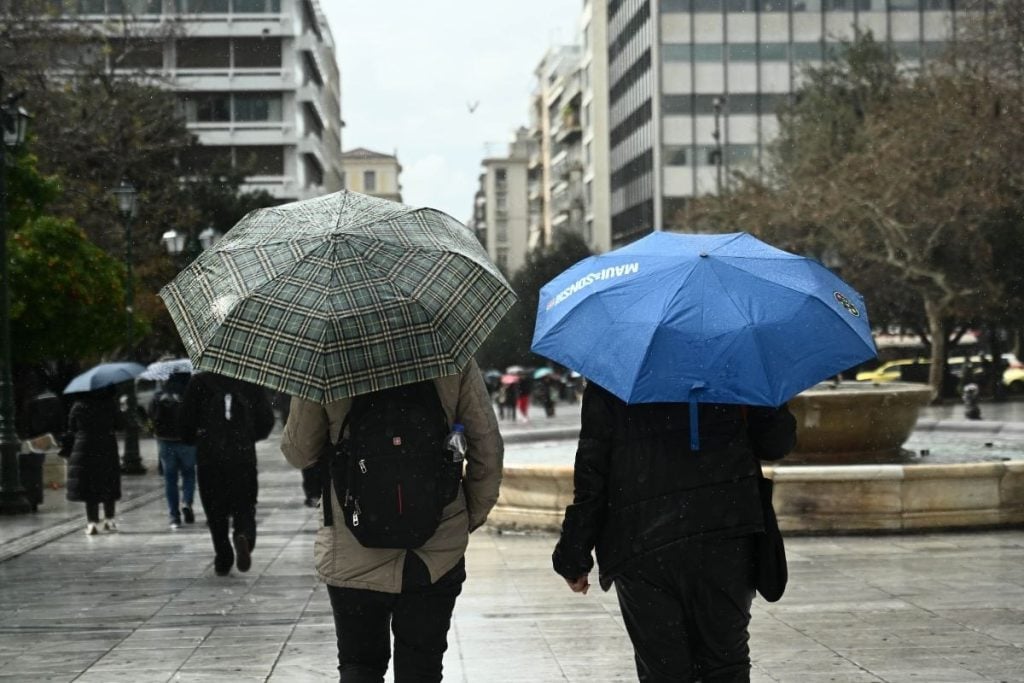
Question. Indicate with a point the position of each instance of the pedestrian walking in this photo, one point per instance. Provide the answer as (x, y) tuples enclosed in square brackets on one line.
[(681, 404), (525, 394), (410, 591), (90, 445), (685, 582), (177, 457), (225, 417)]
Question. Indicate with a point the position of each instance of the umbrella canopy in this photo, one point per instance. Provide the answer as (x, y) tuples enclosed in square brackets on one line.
[(702, 318), (540, 373), (103, 375), (510, 379), (163, 369), (337, 296)]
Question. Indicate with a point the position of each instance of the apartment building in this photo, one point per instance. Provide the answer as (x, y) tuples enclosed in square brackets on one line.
[(594, 120), (694, 86), (373, 173), (257, 79), (555, 189), (501, 218)]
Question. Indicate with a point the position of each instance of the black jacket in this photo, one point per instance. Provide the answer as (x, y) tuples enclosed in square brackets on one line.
[(639, 487), (165, 408), (94, 471), (224, 434)]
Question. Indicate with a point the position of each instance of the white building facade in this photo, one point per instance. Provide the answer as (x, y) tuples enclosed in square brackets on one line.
[(677, 66), (257, 80), (501, 211)]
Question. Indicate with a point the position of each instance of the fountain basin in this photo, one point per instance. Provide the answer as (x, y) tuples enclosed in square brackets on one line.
[(855, 422)]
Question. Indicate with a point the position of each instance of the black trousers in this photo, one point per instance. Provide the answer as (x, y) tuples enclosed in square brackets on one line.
[(687, 609), (419, 616), (228, 494), (92, 510)]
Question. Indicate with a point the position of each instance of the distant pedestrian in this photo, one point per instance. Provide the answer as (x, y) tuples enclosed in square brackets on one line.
[(90, 445), (523, 402), (509, 400), (225, 417), (177, 458), (674, 528)]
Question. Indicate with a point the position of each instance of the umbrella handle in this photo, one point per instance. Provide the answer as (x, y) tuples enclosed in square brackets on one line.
[(694, 434)]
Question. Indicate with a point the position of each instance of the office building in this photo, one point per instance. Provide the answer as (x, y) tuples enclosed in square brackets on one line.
[(680, 71), (501, 206)]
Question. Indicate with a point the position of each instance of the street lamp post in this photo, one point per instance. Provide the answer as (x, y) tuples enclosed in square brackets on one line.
[(131, 461), (718, 102), (180, 245), (14, 122)]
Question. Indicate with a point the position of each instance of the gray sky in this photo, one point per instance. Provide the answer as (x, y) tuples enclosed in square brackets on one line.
[(409, 67)]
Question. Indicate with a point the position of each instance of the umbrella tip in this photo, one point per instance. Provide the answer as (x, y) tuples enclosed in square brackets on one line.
[(703, 254)]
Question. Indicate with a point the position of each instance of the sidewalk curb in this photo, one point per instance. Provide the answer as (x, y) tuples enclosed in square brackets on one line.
[(31, 541)]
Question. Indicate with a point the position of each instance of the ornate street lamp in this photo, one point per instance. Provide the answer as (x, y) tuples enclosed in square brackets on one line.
[(127, 206), (178, 243), (14, 122), (209, 237)]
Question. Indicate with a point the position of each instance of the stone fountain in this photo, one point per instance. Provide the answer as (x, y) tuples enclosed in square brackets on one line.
[(847, 473)]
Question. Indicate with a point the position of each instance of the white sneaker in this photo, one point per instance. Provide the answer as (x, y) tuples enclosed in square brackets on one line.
[(91, 529), (175, 525), (110, 525)]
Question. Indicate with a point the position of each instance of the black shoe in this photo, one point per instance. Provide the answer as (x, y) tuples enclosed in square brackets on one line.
[(222, 564), (311, 502), (190, 517), (243, 559)]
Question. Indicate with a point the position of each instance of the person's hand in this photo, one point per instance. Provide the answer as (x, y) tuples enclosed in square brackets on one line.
[(580, 584)]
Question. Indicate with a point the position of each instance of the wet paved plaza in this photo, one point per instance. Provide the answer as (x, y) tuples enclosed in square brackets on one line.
[(145, 605)]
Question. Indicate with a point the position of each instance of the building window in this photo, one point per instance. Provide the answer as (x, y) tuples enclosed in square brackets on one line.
[(256, 6), (199, 159), (207, 107), (143, 54), (260, 159), (501, 230), (257, 107), (202, 6), (501, 258), (675, 156), (257, 53), (370, 181), (203, 53)]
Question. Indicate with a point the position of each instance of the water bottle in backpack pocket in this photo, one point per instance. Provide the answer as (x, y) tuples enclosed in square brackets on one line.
[(391, 471)]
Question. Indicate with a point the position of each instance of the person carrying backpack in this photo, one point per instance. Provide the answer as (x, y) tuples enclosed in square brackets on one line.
[(225, 417), (177, 458), (397, 512)]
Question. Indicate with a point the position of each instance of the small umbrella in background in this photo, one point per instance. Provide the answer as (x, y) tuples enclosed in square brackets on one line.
[(702, 319), (161, 370), (541, 373), (103, 375), (337, 296), (510, 379)]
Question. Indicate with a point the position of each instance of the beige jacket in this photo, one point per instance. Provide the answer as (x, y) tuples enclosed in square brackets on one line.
[(340, 559)]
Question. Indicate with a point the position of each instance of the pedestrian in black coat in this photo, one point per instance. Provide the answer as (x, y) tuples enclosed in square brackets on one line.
[(224, 418), (90, 445), (673, 528)]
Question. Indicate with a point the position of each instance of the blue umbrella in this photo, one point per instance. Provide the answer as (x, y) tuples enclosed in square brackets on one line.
[(702, 319), (103, 375), (163, 369)]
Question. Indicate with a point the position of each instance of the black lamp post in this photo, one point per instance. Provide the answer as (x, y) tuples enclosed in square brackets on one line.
[(718, 102), (14, 122), (131, 461)]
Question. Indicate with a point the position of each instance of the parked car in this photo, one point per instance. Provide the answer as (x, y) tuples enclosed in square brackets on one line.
[(916, 370)]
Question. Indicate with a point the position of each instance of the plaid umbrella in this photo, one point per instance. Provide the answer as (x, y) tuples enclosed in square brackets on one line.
[(338, 296)]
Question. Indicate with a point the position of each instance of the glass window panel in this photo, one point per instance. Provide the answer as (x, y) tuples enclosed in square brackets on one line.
[(806, 5), (143, 55), (774, 52), (774, 5), (707, 52), (203, 53), (675, 52), (707, 5), (934, 50), (675, 5), (906, 49), (208, 6), (675, 155), (256, 6), (677, 104), (904, 4), (257, 107), (256, 52), (369, 181), (207, 107), (738, 154), (90, 6), (805, 51), (200, 158), (742, 52), (260, 159)]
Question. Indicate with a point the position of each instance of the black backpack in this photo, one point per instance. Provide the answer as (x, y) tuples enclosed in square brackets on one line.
[(166, 407), (392, 473)]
